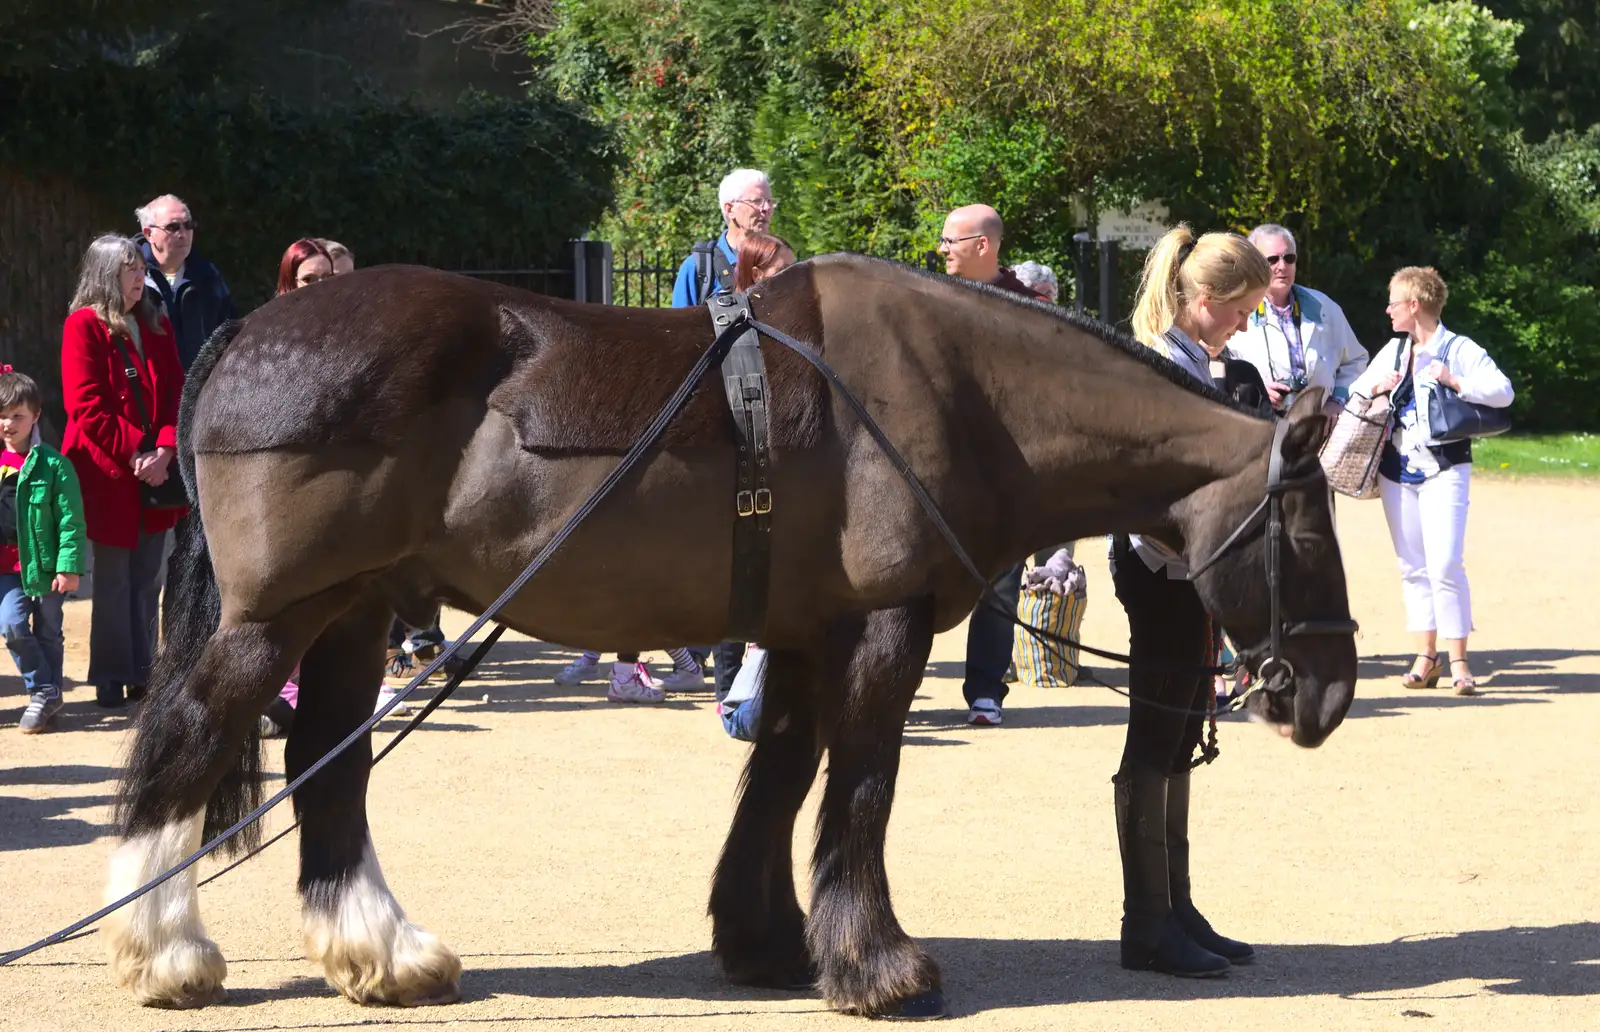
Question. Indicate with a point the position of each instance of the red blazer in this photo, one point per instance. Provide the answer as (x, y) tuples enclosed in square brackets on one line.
[(104, 429)]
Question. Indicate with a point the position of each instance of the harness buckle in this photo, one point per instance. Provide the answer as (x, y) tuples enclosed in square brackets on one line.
[(745, 503), (763, 500)]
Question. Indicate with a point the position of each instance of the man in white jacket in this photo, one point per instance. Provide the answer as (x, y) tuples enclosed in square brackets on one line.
[(1297, 337)]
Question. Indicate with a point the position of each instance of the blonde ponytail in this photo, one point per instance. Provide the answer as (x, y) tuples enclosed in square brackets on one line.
[(1159, 298), (1218, 266)]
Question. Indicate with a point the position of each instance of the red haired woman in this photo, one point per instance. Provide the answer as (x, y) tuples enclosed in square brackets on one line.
[(304, 263), (761, 256)]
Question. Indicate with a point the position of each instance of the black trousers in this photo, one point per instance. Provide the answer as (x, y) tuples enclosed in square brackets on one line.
[(1167, 626)]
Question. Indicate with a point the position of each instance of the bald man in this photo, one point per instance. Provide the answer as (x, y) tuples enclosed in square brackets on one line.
[(971, 248)]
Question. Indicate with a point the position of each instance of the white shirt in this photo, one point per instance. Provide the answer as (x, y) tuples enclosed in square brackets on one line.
[(1187, 354), (1332, 355)]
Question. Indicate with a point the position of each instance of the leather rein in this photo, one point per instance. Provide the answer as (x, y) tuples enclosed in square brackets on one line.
[(730, 313)]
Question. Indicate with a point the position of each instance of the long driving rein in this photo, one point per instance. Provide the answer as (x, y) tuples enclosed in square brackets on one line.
[(750, 401), (1273, 665)]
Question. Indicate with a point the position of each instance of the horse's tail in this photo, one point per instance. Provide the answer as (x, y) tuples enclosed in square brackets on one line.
[(191, 610)]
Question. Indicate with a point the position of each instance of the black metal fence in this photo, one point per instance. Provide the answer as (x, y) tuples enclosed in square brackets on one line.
[(590, 270)]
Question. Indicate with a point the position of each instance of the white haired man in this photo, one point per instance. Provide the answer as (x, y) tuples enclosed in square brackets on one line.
[(1298, 338), (745, 196), (190, 288)]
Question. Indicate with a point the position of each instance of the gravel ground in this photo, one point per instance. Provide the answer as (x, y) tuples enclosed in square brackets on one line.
[(1432, 867)]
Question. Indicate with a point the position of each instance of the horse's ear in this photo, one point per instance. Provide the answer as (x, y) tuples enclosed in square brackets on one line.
[(1307, 425), (1308, 403)]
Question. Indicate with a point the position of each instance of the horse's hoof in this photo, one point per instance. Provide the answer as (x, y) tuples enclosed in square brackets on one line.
[(925, 1006), (203, 998), (796, 980), (438, 996)]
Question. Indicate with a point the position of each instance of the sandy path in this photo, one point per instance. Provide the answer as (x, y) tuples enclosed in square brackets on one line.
[(1438, 856)]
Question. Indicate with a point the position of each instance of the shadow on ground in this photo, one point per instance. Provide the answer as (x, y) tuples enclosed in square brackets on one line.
[(996, 974)]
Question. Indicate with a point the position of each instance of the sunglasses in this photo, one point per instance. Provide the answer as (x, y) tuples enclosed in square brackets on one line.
[(1287, 258), (186, 226)]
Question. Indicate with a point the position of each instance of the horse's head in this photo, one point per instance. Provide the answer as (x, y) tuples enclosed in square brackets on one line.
[(1266, 563)]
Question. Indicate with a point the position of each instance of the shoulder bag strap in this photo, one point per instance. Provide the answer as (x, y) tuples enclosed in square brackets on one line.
[(134, 383)]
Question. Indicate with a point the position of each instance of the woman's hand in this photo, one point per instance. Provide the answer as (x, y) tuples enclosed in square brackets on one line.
[(1440, 373), (64, 583), (152, 467), (1387, 384)]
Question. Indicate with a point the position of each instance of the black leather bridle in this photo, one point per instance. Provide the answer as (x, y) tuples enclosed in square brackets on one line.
[(1270, 511)]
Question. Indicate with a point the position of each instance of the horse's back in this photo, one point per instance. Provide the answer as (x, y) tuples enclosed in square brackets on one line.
[(366, 357)]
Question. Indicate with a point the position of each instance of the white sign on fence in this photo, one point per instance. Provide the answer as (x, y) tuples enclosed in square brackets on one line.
[(1138, 228)]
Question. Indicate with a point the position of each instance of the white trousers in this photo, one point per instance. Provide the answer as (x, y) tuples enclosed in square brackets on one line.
[(1428, 523)]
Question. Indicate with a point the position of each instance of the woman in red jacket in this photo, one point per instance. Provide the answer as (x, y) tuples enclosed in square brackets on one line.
[(121, 382)]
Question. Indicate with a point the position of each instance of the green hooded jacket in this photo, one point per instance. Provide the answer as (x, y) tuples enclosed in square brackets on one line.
[(51, 538)]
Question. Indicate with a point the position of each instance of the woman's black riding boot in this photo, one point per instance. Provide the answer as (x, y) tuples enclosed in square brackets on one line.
[(1152, 938), (1183, 908)]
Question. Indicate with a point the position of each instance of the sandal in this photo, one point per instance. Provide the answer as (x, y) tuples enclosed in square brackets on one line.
[(1463, 685), (1430, 679)]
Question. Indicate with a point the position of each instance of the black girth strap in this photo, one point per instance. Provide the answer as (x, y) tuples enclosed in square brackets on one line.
[(744, 375)]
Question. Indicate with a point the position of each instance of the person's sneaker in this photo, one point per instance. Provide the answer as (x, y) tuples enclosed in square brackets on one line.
[(269, 727), (984, 713), (384, 695), (42, 705), (632, 683), (399, 668), (689, 679), (579, 671)]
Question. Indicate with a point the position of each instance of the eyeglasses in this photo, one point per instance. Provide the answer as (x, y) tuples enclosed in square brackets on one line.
[(1287, 258), (185, 226), (1391, 304), (945, 241), (767, 205)]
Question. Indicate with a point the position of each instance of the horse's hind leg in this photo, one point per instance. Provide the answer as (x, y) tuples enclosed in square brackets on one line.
[(866, 962), (194, 746), (758, 929), (353, 925)]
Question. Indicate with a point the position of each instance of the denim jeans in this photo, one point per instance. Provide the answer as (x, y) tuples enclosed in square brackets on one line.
[(741, 718), (989, 640), (33, 633), (122, 624)]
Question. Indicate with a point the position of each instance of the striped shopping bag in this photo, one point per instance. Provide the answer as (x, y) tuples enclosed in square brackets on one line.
[(1046, 664)]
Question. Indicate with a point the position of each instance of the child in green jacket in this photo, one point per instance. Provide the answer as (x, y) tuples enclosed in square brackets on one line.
[(43, 544)]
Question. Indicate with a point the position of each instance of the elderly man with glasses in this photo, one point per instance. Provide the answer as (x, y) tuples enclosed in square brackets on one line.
[(190, 288), (745, 195), (1298, 337)]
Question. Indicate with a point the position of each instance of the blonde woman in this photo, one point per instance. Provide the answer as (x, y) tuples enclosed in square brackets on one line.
[(1195, 295), (1424, 484)]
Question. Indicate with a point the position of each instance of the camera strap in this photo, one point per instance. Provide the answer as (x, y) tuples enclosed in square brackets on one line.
[(1299, 348)]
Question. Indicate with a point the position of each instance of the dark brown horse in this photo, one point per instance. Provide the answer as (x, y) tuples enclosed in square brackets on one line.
[(399, 437)]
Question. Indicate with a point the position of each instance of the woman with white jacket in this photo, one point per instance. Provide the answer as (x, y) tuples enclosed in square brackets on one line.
[(1424, 483)]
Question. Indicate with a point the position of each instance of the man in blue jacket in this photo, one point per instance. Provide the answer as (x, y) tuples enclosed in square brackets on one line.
[(190, 288), (747, 206)]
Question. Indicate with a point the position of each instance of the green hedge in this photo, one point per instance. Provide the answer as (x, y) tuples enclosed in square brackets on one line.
[(495, 180)]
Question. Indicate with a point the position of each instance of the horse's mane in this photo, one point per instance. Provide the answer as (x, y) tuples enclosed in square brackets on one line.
[(1107, 335)]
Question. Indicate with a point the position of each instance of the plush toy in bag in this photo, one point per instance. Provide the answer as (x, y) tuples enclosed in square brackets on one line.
[(1055, 595)]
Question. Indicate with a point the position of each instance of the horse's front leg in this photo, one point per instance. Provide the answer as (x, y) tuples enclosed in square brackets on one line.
[(353, 925), (866, 962), (758, 928)]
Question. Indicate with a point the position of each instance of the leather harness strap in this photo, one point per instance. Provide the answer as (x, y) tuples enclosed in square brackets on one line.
[(744, 375)]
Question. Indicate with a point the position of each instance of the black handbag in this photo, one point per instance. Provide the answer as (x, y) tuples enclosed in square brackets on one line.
[(1452, 418), (170, 493)]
